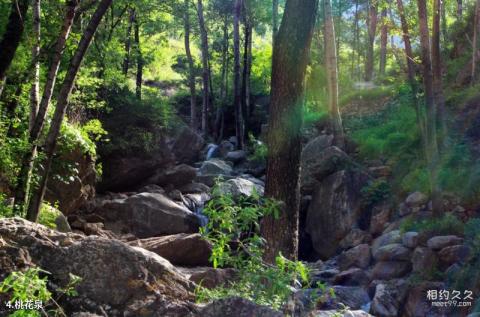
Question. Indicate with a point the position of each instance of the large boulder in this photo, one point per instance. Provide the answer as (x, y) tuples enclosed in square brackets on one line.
[(388, 298), (237, 307), (209, 277), (359, 256), (386, 239), (334, 210), (177, 176), (215, 167), (179, 249), (240, 187), (440, 242), (147, 215), (316, 164), (188, 146), (115, 278), (423, 260), (393, 252), (387, 270), (72, 193)]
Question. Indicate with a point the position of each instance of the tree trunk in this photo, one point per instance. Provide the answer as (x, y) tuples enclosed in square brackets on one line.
[(246, 76), (62, 105), (355, 39), (372, 29), (191, 69), (459, 9), (23, 181), (437, 73), (383, 44), (476, 30), (13, 34), (139, 79), (431, 146), (332, 75), (205, 67), (290, 58), (237, 104), (274, 20), (411, 68), (223, 84), (128, 42), (35, 90)]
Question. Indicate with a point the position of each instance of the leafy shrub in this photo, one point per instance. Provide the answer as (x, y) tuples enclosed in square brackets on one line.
[(5, 209), (48, 214), (259, 150), (375, 192), (448, 224), (234, 231)]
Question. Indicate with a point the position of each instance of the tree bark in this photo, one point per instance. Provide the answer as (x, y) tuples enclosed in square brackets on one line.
[(237, 104), (332, 74), (139, 77), (35, 89), (23, 183), (205, 67), (62, 105), (246, 75), (128, 42), (437, 72), (274, 19), (223, 84), (372, 29), (191, 69), (476, 30), (383, 44), (13, 34), (431, 145), (459, 9), (290, 59), (355, 40)]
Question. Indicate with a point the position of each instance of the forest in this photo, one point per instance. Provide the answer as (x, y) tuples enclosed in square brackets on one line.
[(239, 158)]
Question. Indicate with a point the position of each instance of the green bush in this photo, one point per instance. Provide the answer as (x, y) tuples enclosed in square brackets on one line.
[(234, 231), (448, 224), (376, 191)]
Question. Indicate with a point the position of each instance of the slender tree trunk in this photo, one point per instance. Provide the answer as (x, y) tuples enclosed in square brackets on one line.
[(23, 181), (431, 126), (35, 90), (205, 67), (223, 85), (13, 34), (383, 44), (237, 77), (332, 74), (372, 29), (476, 30), (274, 19), (459, 9), (411, 69), (437, 73), (191, 69), (62, 105), (355, 39), (290, 58), (245, 77), (139, 79), (128, 42)]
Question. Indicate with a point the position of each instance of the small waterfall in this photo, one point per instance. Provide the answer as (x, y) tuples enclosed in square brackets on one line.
[(211, 150), (196, 203)]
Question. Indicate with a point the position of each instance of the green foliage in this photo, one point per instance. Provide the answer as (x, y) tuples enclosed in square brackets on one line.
[(448, 224), (259, 150), (5, 210), (48, 214), (30, 286), (234, 231), (376, 191)]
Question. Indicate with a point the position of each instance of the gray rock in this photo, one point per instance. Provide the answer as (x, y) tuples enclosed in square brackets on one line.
[(359, 256), (385, 239), (388, 298), (179, 249), (240, 187), (392, 252), (336, 313), (416, 199), (188, 146), (353, 296), (440, 242), (62, 224), (454, 254), (146, 215), (209, 277), (194, 188), (215, 167), (354, 238), (387, 270), (237, 307), (334, 210), (177, 176), (352, 277), (410, 240), (423, 260), (236, 156)]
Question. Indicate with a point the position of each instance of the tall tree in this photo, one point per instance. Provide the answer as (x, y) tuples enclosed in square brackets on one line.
[(205, 67), (372, 18), (332, 74), (12, 36), (431, 145), (274, 19), (191, 68), (237, 104), (138, 48), (459, 9), (23, 183), (247, 66), (290, 58), (35, 90), (383, 43), (128, 41), (437, 71), (62, 104), (476, 30)]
